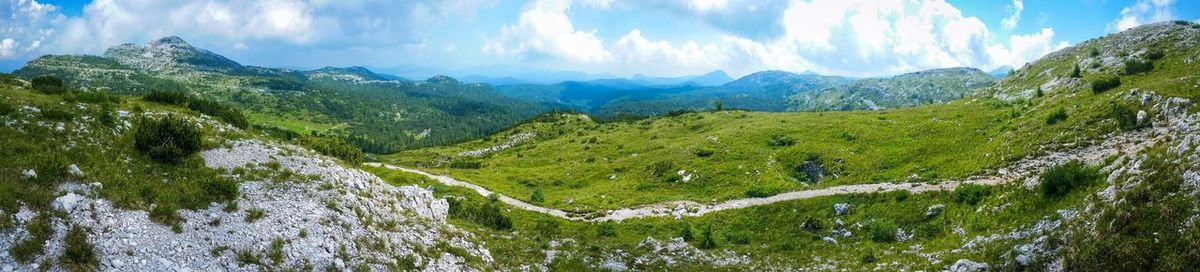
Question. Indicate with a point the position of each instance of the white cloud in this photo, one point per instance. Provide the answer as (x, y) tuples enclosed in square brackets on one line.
[(1010, 22), (544, 30), (236, 24), (662, 58), (1143, 12)]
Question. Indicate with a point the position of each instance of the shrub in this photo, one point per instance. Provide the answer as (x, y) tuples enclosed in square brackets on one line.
[(1134, 67), (167, 97), (538, 196), (762, 191), (6, 108), (706, 239), (607, 229), (704, 152), (48, 85), (1058, 115), (663, 170), (1095, 52), (686, 233), (883, 231), (1105, 83), (97, 97), (1075, 73), (1127, 117), (1060, 180), (971, 194), (334, 147), (226, 113), (167, 140), (79, 254), (812, 225), (461, 164), (1155, 55), (781, 140), (165, 213), (489, 214)]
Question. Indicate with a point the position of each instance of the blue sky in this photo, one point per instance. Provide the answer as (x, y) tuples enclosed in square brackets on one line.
[(618, 37)]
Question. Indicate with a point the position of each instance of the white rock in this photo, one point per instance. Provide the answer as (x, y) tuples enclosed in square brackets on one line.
[(935, 210), (74, 170), (67, 203), (964, 265), (1141, 117), (29, 174), (841, 208)]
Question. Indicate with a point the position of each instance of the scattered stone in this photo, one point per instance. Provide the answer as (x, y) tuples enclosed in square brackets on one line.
[(841, 208), (934, 210), (74, 170), (964, 265), (1141, 117), (830, 240), (29, 174)]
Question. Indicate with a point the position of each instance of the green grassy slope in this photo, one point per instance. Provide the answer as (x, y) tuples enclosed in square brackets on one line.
[(573, 160)]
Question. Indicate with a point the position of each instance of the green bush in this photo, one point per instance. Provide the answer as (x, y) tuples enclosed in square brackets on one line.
[(883, 231), (97, 97), (1155, 55), (167, 140), (538, 196), (686, 233), (971, 194), (664, 170), (1127, 117), (1060, 180), (1075, 73), (1105, 83), (706, 239), (461, 164), (166, 214), (167, 97), (254, 214), (57, 113), (1058, 115), (488, 214), (221, 111), (704, 152), (6, 108), (607, 229), (79, 254), (49, 85), (1134, 67), (781, 140), (762, 191), (334, 147)]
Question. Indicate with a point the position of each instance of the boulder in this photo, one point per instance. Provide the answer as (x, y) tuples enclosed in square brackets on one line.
[(964, 265), (67, 203), (29, 174), (1141, 117)]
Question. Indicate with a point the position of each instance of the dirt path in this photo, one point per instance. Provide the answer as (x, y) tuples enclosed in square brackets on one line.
[(1026, 171)]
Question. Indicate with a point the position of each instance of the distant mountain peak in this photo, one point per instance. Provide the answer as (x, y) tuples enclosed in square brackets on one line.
[(442, 79), (169, 40)]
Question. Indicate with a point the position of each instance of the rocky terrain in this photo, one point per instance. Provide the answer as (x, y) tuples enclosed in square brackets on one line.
[(321, 215)]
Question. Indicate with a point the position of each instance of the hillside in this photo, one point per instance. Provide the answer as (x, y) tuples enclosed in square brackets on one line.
[(1039, 171), (906, 90), (380, 113), (78, 192)]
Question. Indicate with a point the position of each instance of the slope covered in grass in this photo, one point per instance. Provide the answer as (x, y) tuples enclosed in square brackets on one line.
[(582, 165)]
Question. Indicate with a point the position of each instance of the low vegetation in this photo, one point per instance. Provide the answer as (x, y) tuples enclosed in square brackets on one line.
[(167, 140), (1059, 180)]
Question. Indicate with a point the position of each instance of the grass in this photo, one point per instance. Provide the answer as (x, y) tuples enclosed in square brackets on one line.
[(299, 126), (584, 166), (79, 254), (254, 214)]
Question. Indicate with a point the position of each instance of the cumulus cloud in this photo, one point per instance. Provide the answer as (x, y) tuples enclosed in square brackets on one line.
[(544, 30), (238, 24), (1143, 12), (1010, 22), (27, 25), (754, 19)]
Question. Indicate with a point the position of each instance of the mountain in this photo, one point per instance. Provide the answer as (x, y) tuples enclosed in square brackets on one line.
[(714, 78), (1045, 170), (906, 90), (1001, 72), (380, 113)]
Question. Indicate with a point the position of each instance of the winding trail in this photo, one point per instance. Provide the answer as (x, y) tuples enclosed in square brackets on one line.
[(1027, 170)]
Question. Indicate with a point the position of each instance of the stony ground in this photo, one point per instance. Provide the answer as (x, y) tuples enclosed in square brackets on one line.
[(325, 215)]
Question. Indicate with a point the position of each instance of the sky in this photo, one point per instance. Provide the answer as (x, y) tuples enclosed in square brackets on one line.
[(861, 38)]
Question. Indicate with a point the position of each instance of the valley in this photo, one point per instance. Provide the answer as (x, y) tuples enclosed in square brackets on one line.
[(169, 157)]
